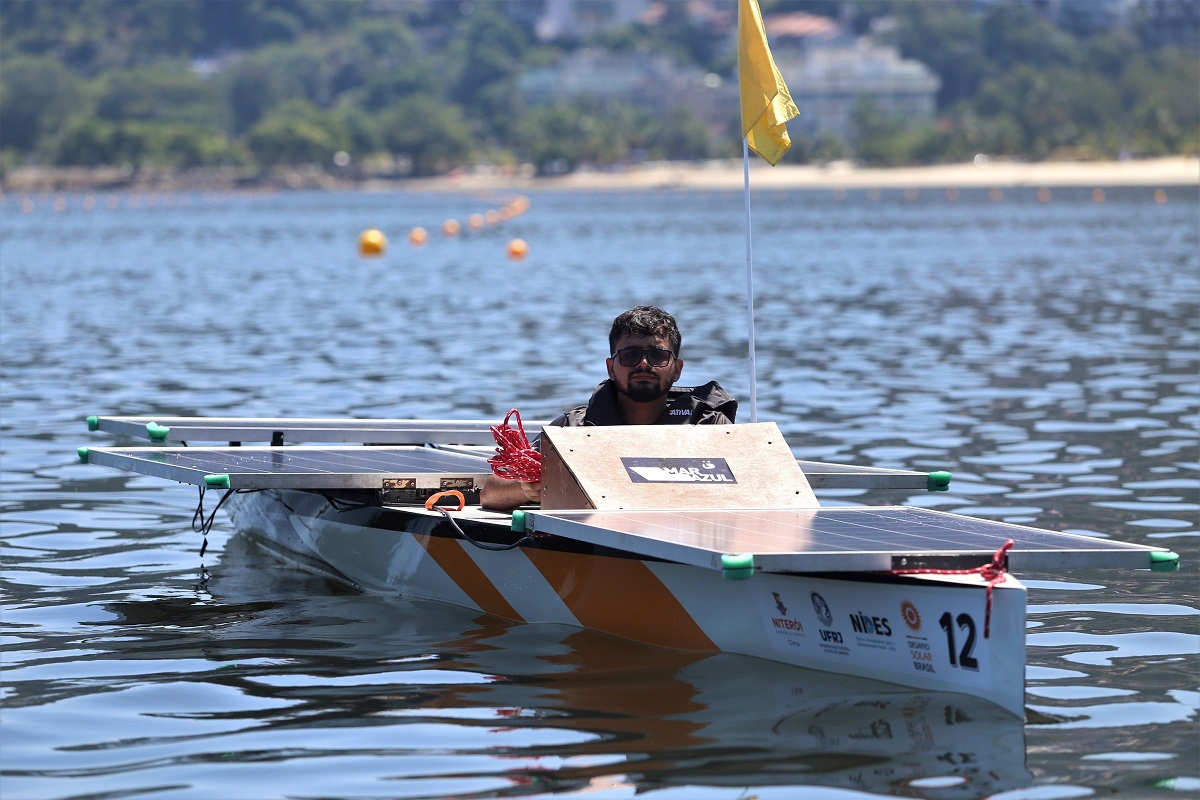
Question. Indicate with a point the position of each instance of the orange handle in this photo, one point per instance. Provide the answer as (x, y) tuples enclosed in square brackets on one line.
[(432, 501)]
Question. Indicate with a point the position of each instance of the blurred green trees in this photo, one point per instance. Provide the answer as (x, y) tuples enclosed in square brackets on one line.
[(423, 88)]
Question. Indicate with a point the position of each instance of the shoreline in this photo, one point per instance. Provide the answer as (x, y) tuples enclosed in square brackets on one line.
[(715, 175)]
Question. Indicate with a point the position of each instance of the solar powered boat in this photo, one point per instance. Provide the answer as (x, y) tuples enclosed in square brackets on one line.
[(698, 538)]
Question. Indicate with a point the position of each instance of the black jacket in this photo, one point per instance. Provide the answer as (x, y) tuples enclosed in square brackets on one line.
[(699, 405)]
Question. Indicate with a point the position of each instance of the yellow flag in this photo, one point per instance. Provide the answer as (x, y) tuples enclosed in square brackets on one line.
[(766, 103)]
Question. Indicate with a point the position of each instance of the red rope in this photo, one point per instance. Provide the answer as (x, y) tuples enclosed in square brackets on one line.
[(515, 460), (993, 572)]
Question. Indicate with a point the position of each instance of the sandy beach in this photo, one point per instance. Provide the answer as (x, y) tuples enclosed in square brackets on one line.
[(1163, 172), (713, 175)]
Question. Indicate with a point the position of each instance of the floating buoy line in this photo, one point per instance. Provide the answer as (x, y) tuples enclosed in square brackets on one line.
[(373, 242)]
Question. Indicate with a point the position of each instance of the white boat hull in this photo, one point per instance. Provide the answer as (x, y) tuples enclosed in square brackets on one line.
[(925, 632)]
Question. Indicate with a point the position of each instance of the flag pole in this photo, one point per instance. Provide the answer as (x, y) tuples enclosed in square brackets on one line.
[(750, 284), (766, 107)]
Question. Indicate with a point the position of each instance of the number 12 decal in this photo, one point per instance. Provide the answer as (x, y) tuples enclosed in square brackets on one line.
[(960, 658)]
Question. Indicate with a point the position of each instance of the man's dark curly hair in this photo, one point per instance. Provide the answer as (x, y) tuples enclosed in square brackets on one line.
[(645, 321)]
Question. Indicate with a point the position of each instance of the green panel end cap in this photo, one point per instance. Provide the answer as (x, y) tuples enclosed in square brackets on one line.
[(939, 481), (518, 521), (737, 566), (93, 423), (1164, 561), (83, 454), (216, 481), (158, 433), (737, 561)]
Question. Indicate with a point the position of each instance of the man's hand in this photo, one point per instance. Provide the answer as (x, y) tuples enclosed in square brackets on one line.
[(499, 494)]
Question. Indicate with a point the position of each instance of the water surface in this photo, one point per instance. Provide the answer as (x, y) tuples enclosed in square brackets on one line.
[(1046, 353)]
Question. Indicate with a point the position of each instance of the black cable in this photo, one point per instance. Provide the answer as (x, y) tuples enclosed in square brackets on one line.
[(339, 505), (203, 525), (479, 544)]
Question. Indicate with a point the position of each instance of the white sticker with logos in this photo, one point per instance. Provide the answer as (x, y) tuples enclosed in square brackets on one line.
[(932, 630)]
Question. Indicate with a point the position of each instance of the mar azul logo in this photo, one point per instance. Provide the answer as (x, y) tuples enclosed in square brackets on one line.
[(678, 470)]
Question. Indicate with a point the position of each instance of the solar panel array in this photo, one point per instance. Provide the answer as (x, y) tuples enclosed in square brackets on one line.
[(293, 467), (834, 539), (475, 433), (295, 430)]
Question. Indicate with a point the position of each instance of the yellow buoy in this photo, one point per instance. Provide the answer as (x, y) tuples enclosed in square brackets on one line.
[(371, 242), (517, 249), (451, 227), (418, 236)]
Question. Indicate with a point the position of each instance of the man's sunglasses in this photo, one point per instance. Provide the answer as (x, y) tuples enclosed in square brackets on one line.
[(632, 356)]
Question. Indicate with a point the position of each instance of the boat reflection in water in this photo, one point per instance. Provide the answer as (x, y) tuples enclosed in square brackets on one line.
[(552, 708)]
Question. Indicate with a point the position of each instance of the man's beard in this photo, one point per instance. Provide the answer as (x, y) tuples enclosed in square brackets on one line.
[(643, 391)]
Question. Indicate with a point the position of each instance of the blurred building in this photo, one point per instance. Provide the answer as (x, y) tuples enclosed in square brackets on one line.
[(552, 20), (645, 80), (828, 83), (1168, 23), (827, 69), (1158, 23)]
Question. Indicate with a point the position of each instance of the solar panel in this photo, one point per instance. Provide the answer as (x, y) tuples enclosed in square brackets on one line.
[(868, 538), (283, 430), (844, 476), (301, 467)]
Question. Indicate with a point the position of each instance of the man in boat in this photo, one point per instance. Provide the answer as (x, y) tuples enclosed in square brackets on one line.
[(640, 390)]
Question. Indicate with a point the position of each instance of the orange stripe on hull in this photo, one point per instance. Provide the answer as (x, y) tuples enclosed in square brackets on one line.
[(451, 557), (620, 596)]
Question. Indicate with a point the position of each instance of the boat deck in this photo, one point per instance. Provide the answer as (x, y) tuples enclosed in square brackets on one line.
[(817, 540)]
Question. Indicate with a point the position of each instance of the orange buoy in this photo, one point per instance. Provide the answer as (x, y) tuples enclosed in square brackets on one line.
[(1097, 195), (952, 194), (475, 221), (451, 227), (996, 194), (371, 242), (418, 236), (492, 216), (517, 249), (1160, 196), (1043, 195)]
